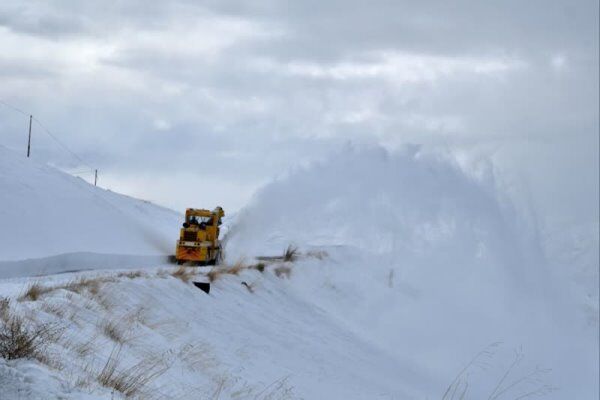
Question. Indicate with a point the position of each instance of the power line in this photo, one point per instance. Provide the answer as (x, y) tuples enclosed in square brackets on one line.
[(49, 133), (14, 108), (64, 146)]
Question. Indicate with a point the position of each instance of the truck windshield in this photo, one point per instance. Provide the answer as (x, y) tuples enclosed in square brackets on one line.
[(198, 220)]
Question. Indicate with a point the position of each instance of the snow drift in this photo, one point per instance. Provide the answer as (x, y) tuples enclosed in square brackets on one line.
[(430, 263)]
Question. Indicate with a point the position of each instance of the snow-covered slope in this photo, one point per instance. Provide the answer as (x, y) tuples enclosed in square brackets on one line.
[(268, 344), (45, 212)]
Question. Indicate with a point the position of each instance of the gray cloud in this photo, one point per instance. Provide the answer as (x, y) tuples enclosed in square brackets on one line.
[(236, 93)]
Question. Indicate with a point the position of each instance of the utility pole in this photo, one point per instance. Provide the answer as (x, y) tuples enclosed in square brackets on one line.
[(95, 177), (29, 140)]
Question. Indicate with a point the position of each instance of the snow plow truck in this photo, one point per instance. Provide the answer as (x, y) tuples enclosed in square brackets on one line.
[(198, 242)]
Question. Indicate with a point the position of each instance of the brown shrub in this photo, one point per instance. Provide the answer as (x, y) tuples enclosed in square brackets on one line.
[(19, 341)]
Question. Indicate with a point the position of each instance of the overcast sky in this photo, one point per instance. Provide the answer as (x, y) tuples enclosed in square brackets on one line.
[(198, 103)]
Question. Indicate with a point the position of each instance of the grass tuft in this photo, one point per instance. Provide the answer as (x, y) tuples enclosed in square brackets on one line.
[(35, 291), (113, 330), (183, 273), (236, 268), (214, 274), (133, 381), (132, 274), (20, 341), (291, 253)]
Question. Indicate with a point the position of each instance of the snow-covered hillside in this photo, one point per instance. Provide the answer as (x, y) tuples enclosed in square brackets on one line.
[(412, 278), (45, 212)]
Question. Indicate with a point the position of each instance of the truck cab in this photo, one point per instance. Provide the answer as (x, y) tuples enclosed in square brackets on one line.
[(199, 237)]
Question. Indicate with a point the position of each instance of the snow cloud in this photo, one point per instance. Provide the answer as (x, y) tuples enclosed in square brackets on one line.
[(201, 102)]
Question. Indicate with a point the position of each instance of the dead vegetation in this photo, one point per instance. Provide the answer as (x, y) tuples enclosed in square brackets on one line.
[(184, 273), (17, 340), (4, 308), (133, 274), (54, 309), (92, 285), (34, 291), (514, 382), (235, 269), (85, 348), (114, 330), (290, 254), (133, 381)]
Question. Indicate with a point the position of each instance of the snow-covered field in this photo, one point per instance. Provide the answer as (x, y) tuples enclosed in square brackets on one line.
[(409, 271)]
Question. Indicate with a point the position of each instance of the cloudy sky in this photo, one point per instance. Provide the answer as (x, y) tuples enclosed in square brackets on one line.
[(198, 103)]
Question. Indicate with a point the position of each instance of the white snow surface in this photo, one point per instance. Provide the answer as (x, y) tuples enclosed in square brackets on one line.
[(408, 269), (45, 213)]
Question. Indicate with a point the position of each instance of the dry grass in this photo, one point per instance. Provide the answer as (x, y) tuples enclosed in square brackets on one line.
[(133, 381), (291, 253), (78, 285), (54, 309), (104, 301), (4, 308), (214, 274), (20, 341), (132, 274), (86, 348), (91, 285), (184, 273), (34, 291), (236, 268), (113, 329)]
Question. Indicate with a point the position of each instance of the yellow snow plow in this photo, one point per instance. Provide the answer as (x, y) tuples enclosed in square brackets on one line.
[(199, 237)]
